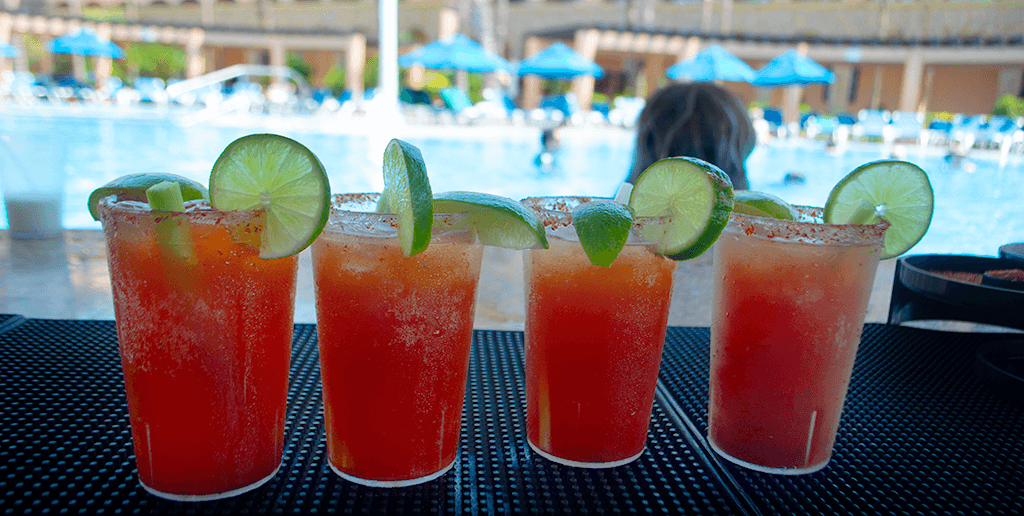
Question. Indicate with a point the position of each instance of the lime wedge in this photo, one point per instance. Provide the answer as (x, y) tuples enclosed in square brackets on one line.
[(133, 188), (603, 228), (499, 221), (407, 194), (760, 204), (898, 191), (696, 195), (282, 178)]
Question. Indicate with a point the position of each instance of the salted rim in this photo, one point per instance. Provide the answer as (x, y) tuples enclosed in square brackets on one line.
[(810, 229), (555, 212), (354, 215), (196, 211)]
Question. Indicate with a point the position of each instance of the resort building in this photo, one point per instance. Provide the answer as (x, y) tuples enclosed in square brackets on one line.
[(919, 55)]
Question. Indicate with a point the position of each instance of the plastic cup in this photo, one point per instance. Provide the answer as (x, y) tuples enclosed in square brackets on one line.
[(788, 308), (32, 176), (204, 328), (394, 336), (594, 337)]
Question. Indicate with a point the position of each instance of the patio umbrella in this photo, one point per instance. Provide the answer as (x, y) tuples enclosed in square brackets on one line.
[(712, 63), (558, 61), (84, 41), (8, 50), (456, 52), (793, 68)]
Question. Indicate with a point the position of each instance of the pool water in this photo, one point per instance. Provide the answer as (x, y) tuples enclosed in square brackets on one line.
[(978, 206)]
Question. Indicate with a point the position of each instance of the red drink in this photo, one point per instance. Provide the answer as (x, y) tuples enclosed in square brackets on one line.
[(205, 347), (594, 337), (789, 305), (394, 336)]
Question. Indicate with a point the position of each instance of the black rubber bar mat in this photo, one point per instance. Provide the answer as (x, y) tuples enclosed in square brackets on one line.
[(921, 432), (65, 444)]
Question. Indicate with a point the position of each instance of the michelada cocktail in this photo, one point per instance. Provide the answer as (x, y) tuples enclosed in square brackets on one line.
[(597, 308), (205, 347), (594, 337), (790, 296), (396, 276), (394, 335), (204, 301)]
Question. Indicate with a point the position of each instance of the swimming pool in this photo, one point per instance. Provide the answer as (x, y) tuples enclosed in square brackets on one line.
[(975, 212)]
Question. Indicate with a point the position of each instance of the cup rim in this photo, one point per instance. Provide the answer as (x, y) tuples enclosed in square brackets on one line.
[(809, 230), (365, 221)]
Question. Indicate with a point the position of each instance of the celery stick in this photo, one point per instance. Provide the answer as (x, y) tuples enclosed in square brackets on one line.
[(171, 233)]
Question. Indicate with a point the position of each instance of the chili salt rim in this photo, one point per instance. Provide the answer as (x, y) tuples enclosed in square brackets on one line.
[(354, 214), (555, 214), (809, 231), (196, 211)]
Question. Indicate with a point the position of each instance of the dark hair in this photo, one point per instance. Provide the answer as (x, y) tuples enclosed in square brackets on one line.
[(699, 120)]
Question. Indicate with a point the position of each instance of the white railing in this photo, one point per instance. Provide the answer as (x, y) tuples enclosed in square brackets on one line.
[(235, 71)]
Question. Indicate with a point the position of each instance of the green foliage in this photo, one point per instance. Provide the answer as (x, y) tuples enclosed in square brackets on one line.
[(113, 14), (1009, 105), (34, 50), (296, 62), (336, 79), (371, 73), (475, 82), (599, 98), (155, 60), (938, 115), (555, 86)]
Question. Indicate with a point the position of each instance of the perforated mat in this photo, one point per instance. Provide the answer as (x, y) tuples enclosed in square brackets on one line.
[(65, 444), (920, 434)]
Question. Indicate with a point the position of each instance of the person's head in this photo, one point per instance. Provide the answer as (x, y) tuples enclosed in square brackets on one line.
[(699, 120)]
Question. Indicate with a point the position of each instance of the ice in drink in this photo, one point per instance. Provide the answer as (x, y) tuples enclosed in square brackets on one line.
[(204, 327), (594, 337), (788, 309), (394, 336)]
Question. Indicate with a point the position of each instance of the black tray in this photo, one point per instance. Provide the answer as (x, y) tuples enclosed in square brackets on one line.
[(920, 293)]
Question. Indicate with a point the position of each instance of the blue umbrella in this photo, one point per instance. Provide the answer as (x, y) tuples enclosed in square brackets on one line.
[(8, 50), (456, 52), (558, 61), (712, 63), (84, 41), (790, 68)]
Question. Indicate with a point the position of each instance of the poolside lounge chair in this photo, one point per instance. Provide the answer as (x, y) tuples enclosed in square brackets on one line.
[(774, 118), (458, 104), (497, 105), (625, 111), (966, 128), (411, 96), (151, 89), (904, 125), (1000, 132), (937, 132), (820, 125), (871, 123), (19, 86)]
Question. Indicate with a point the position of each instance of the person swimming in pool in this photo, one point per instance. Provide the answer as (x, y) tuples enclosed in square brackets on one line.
[(550, 142)]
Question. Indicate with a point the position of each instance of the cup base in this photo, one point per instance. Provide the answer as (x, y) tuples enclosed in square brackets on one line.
[(208, 497), (767, 469), (392, 483), (589, 465)]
